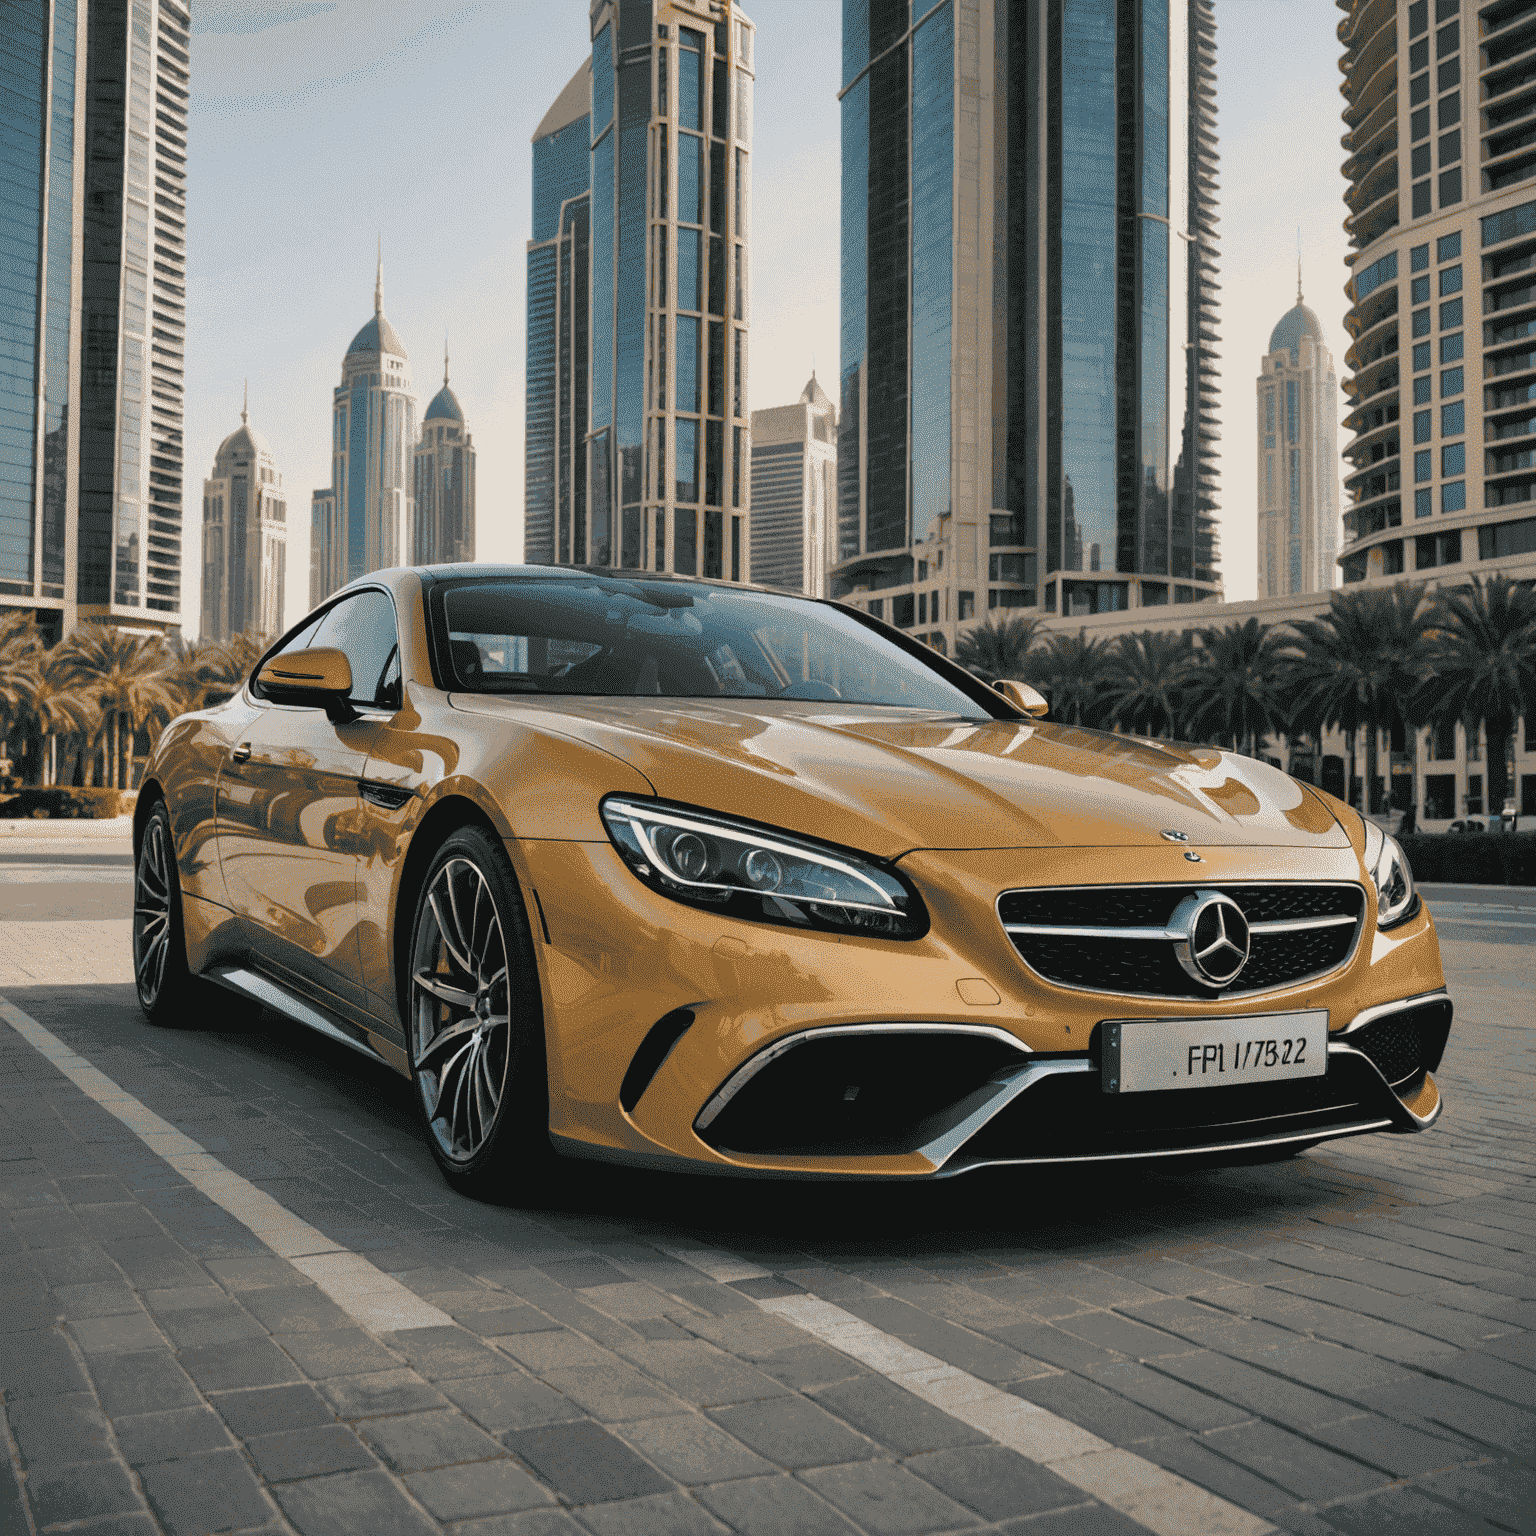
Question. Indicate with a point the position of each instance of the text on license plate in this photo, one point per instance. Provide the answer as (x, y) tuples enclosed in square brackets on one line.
[(1154, 1055)]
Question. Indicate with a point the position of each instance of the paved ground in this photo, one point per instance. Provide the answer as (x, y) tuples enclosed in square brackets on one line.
[(1342, 1343)]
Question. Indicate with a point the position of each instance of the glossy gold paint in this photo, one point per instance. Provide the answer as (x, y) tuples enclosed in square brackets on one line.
[(288, 867)]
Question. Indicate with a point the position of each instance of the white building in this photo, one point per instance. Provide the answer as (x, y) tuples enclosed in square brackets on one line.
[(245, 538), (444, 525), (794, 492), (1298, 458), (363, 520)]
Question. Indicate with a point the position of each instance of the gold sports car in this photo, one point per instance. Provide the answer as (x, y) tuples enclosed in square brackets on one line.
[(690, 875)]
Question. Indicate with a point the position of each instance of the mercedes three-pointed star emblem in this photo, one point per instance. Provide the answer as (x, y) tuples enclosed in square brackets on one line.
[(1213, 939)]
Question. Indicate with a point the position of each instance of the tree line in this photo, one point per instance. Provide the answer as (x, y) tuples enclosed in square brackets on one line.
[(73, 713), (1387, 660)]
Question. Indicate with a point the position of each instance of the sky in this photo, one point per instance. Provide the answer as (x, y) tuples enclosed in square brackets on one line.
[(317, 128)]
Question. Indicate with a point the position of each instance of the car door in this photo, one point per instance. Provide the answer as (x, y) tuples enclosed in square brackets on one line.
[(288, 806)]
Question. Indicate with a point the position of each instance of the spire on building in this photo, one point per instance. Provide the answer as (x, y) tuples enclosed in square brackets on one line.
[(445, 358), (245, 404), (378, 282)]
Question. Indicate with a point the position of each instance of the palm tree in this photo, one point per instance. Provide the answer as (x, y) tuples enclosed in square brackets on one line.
[(1142, 682), (1483, 667), (129, 677), (58, 708), (1360, 667), (997, 646), (1070, 671), (1229, 688)]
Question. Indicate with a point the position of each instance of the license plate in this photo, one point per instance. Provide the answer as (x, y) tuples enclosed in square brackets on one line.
[(1154, 1055)]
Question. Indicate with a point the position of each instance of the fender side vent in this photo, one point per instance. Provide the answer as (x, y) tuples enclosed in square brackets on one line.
[(654, 1049)]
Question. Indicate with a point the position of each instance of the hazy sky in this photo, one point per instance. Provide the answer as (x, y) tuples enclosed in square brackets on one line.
[(316, 126)]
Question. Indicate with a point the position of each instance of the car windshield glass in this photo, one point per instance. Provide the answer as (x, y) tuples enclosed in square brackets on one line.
[(604, 636)]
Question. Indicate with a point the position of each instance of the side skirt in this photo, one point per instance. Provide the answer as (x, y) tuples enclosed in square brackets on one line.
[(301, 1010)]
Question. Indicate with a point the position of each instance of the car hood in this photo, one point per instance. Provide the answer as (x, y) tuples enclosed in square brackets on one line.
[(889, 781)]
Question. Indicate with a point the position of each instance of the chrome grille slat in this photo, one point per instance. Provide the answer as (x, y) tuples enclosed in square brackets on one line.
[(1299, 931)]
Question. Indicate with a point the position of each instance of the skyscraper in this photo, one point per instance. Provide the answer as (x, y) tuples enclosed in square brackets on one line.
[(362, 521), (559, 271), (665, 431), (245, 538), (794, 492), (1442, 224), (444, 483), (1298, 458), (1028, 314), (92, 317)]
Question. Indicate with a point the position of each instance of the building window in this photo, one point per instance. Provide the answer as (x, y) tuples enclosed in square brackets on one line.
[(1450, 350), (1421, 427), (1423, 503), (1450, 153), (1450, 280), (1450, 315), (1453, 419), (1421, 198), (1448, 76), (1421, 322), (903, 609), (1439, 796), (1453, 459), (1449, 111), (967, 604), (1419, 162), (877, 607), (1421, 390), (1423, 466), (1418, 290), (1453, 497), (1448, 247), (1452, 382), (1421, 357), (1392, 558)]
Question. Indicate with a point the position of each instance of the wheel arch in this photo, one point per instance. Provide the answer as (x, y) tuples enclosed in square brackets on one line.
[(443, 817), (150, 795)]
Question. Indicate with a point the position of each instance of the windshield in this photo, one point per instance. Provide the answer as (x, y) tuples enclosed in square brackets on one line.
[(614, 637)]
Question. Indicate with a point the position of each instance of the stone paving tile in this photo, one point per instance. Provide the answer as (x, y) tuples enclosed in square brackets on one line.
[(336, 1352), (413, 1442), (1094, 1408), (348, 1503), (793, 1432), (700, 1373), (64, 1429), (693, 1450), (995, 1482), (211, 1492), (87, 1491), (379, 1392), (510, 1401), (773, 1506), (295, 1453), (264, 1410), (1301, 1466), (894, 1417), (888, 1500), (169, 1434), (584, 1463), (485, 1488)]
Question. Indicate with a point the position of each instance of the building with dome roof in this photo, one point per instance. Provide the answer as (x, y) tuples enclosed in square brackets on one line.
[(794, 492), (444, 483), (1298, 458), (245, 537), (363, 520)]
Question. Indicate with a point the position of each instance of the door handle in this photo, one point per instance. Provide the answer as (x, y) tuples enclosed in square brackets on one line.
[(241, 753)]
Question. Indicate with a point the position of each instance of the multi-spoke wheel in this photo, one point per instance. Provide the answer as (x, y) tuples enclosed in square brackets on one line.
[(168, 991), (476, 1029)]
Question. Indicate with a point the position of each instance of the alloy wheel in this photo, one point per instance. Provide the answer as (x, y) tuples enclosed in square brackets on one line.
[(461, 1024), (152, 898)]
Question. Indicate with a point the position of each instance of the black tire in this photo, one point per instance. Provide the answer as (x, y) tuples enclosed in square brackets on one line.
[(474, 1025), (169, 993)]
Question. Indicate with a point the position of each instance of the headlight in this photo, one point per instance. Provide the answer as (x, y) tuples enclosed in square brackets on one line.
[(1396, 900), (761, 874)]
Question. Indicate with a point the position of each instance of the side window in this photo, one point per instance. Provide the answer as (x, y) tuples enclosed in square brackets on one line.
[(364, 627)]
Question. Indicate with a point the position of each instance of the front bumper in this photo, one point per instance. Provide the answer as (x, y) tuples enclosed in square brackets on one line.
[(686, 1040)]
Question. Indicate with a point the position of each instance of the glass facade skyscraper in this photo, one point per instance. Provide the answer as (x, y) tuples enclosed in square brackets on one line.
[(638, 421), (364, 520), (1027, 252), (92, 309)]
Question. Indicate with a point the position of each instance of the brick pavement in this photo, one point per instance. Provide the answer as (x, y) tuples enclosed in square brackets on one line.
[(1341, 1343)]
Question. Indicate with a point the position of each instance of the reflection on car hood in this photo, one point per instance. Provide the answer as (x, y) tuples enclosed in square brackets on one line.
[(893, 780)]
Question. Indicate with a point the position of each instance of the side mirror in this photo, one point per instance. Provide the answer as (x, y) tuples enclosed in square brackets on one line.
[(319, 676), (1022, 696)]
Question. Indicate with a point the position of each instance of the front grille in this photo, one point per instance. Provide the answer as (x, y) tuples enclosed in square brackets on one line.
[(1054, 944)]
